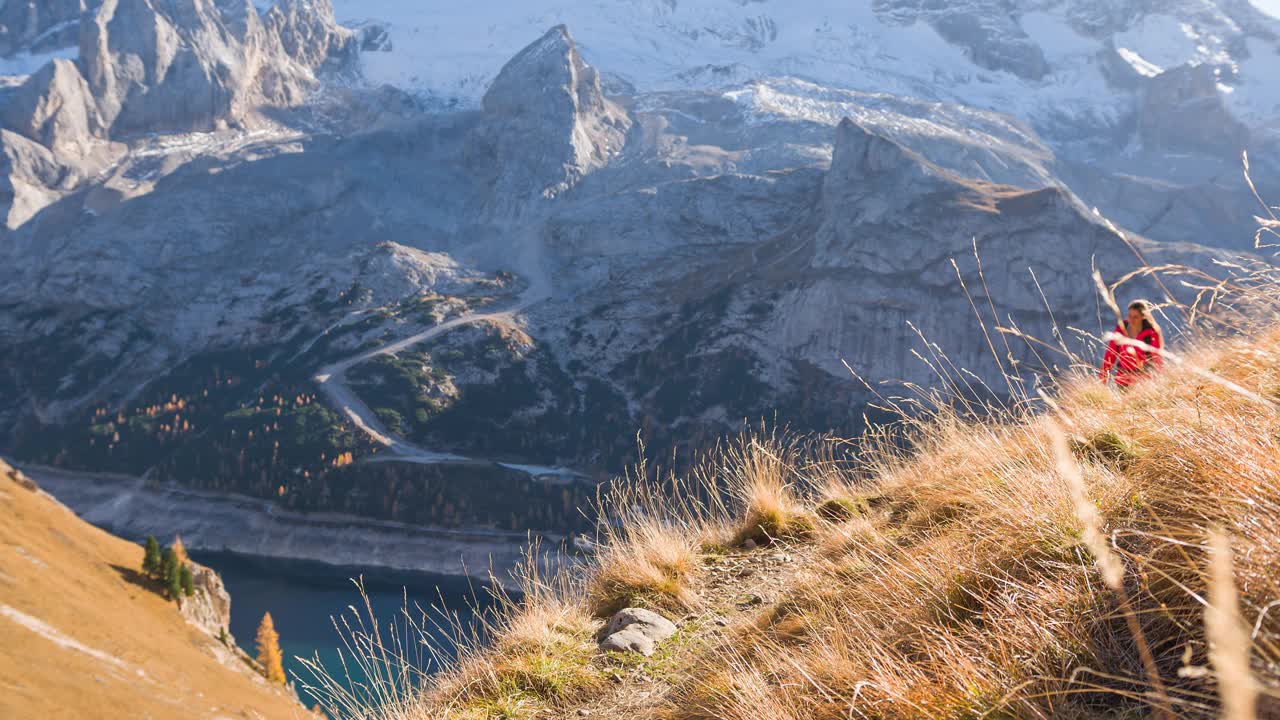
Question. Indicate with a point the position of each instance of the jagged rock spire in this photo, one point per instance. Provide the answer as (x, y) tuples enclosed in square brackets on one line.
[(553, 123)]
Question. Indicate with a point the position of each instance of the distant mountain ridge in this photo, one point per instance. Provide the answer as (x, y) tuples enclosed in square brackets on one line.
[(608, 257)]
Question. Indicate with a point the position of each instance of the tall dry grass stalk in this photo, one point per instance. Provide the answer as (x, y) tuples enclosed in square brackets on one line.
[(1229, 644), (1110, 567)]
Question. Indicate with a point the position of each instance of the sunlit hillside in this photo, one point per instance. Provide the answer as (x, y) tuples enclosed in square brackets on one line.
[(85, 635), (1085, 553)]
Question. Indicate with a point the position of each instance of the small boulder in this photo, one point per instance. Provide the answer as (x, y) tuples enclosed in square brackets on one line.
[(629, 641), (636, 630)]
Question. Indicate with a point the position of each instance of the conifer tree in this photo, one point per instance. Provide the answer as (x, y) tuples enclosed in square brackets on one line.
[(175, 585), (186, 580), (269, 655), (151, 561), (169, 570)]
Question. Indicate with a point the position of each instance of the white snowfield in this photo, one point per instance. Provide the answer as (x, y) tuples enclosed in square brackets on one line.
[(450, 51)]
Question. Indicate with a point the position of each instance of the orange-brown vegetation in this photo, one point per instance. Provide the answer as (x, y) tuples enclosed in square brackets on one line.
[(84, 635)]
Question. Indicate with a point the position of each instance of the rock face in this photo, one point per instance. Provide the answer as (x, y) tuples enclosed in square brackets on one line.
[(55, 108), (178, 65), (162, 66), (994, 40), (210, 608), (636, 630), (40, 24), (1182, 109), (30, 178), (878, 220), (551, 120)]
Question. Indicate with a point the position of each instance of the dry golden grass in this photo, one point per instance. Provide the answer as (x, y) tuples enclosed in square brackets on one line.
[(84, 635), (647, 565), (1048, 561), (997, 580), (760, 474)]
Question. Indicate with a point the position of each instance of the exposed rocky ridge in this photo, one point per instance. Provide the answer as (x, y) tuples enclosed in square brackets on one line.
[(181, 65), (55, 108), (552, 123), (166, 66), (985, 28), (1182, 109), (30, 178)]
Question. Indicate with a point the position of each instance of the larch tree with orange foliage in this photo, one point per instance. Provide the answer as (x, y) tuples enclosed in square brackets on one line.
[(180, 550), (269, 655)]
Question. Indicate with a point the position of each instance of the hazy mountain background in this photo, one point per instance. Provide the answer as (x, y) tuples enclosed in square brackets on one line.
[(437, 265)]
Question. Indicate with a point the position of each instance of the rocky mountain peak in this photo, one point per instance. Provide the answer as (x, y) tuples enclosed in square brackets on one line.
[(552, 120), (872, 175), (551, 73), (307, 32), (879, 201), (987, 30), (39, 26), (179, 65), (30, 177), (158, 66), (54, 108)]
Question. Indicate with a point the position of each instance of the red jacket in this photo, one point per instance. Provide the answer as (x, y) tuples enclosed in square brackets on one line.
[(1131, 362)]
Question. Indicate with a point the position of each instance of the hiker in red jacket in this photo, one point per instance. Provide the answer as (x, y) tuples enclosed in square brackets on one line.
[(1130, 361)]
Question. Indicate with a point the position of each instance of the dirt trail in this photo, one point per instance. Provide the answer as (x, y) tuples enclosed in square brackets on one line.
[(731, 590)]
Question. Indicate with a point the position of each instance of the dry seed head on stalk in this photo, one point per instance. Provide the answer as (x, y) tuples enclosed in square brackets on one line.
[(1108, 564), (1107, 296), (1228, 639)]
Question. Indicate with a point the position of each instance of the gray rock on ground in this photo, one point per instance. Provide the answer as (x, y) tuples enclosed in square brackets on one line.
[(636, 630), (210, 608)]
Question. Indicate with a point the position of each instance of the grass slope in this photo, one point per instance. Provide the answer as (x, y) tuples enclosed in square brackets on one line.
[(80, 637), (1096, 554)]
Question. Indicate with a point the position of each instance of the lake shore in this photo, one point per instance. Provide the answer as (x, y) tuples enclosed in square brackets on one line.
[(209, 522)]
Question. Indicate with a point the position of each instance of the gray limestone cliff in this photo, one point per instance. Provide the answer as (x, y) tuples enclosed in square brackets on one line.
[(178, 65), (210, 608), (550, 122), (160, 66), (55, 108), (1183, 109)]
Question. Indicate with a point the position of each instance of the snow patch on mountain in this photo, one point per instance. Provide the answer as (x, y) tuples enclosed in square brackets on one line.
[(914, 122), (14, 70), (451, 53), (1165, 42)]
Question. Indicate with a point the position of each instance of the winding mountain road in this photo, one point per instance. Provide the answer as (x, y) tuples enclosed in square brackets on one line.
[(332, 381)]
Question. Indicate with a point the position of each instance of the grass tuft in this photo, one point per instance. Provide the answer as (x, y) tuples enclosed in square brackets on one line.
[(760, 473), (840, 509)]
